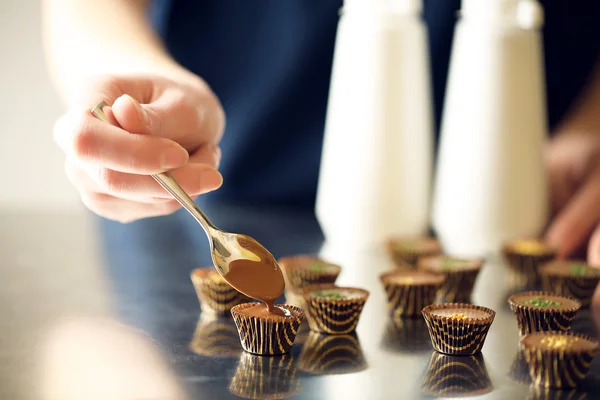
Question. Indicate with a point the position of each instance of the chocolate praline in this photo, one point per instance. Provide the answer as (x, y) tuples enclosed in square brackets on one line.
[(543, 311), (461, 275), (405, 252), (408, 291), (574, 279)]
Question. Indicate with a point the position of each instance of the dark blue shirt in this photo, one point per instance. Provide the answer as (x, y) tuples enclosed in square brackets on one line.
[(269, 62)]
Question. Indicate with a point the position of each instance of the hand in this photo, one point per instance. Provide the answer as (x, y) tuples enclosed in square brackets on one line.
[(573, 160), (158, 125)]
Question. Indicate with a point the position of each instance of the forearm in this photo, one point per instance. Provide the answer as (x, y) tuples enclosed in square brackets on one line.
[(83, 38)]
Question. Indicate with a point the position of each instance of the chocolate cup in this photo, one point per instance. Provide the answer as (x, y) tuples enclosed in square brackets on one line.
[(523, 266), (407, 300), (216, 296), (406, 335), (269, 335), (558, 368), (459, 283), (580, 288), (333, 316), (457, 337), (408, 257), (298, 275), (332, 354), (259, 377), (451, 376), (532, 319), (216, 337), (539, 393)]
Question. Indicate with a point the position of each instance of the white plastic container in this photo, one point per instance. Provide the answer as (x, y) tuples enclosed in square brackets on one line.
[(375, 173), (491, 184)]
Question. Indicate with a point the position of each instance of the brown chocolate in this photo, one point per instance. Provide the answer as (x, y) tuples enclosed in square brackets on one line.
[(524, 257), (333, 310), (460, 275), (405, 252), (408, 291), (574, 279), (558, 359), (216, 296), (259, 377), (543, 311), (449, 376), (261, 280), (216, 337), (458, 329), (303, 270), (332, 354), (265, 333)]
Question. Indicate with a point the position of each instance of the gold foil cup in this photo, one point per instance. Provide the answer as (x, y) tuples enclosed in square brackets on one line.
[(298, 274), (459, 282), (216, 337), (332, 354), (405, 252), (524, 257), (216, 296), (457, 336), (407, 294), (259, 377), (268, 335), (407, 336), (333, 316), (561, 367), (553, 318), (452, 376), (579, 287), (540, 393)]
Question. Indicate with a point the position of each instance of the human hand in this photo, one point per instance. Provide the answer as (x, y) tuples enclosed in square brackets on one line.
[(573, 160), (158, 125)]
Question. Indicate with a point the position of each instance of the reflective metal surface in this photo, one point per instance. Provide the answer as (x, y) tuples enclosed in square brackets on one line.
[(122, 321)]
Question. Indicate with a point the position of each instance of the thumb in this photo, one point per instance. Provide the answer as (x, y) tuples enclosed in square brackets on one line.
[(132, 116)]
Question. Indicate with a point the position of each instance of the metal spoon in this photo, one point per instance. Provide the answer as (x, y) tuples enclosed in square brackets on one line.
[(224, 247)]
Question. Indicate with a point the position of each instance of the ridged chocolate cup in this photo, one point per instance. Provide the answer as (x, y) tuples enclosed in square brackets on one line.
[(405, 252), (524, 257), (408, 299), (519, 369), (216, 337), (579, 287), (268, 335), (459, 282), (259, 377), (457, 337), (540, 393), (553, 318), (407, 336), (451, 376), (298, 274), (216, 296), (558, 368), (332, 354), (333, 316)]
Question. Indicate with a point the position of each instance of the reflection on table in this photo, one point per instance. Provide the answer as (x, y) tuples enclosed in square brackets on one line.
[(216, 337), (451, 376), (406, 335), (260, 377), (332, 354)]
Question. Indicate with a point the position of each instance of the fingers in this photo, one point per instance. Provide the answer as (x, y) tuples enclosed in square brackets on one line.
[(575, 222), (123, 210), (190, 120), (594, 248), (195, 179), (90, 140)]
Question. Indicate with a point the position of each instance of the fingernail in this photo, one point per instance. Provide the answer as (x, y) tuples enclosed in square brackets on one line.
[(211, 179), (174, 157)]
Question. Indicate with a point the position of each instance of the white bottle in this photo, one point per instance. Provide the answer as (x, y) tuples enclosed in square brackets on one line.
[(375, 172), (491, 184)]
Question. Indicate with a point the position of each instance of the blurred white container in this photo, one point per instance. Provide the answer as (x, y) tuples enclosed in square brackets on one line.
[(491, 184), (376, 166)]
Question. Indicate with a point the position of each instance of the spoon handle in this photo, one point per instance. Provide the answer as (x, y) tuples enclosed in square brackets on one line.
[(167, 181)]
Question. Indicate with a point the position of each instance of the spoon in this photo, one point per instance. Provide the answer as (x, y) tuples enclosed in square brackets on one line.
[(243, 262)]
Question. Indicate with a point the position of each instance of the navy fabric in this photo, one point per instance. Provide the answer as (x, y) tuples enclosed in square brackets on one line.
[(269, 62)]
